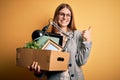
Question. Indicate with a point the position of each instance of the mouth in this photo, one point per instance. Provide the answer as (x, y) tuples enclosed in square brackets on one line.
[(64, 21)]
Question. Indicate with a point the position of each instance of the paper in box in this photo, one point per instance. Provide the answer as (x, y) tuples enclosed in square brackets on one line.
[(48, 60)]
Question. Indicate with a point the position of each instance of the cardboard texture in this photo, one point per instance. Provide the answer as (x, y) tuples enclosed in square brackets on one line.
[(48, 60)]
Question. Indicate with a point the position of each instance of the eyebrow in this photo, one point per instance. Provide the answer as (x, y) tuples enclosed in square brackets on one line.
[(64, 13)]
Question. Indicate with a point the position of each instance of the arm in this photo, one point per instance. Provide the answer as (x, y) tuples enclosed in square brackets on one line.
[(84, 44), (83, 52)]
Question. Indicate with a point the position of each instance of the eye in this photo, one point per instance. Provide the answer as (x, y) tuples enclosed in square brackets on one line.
[(63, 14), (68, 15)]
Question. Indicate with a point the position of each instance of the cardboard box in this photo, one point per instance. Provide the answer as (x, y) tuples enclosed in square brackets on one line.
[(48, 60)]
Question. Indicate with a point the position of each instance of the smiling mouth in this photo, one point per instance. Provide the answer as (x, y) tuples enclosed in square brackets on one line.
[(63, 21)]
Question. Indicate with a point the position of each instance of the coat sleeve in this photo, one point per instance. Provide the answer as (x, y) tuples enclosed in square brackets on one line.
[(39, 75), (83, 50)]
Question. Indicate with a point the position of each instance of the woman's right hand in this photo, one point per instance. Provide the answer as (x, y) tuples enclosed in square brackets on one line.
[(34, 67)]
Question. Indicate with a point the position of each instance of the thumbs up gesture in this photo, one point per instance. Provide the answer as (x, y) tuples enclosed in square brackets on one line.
[(86, 34)]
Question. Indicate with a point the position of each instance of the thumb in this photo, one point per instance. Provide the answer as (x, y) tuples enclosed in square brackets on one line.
[(89, 28)]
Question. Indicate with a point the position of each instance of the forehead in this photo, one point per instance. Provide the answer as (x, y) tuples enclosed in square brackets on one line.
[(65, 10)]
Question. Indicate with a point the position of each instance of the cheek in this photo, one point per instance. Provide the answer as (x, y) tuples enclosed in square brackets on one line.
[(69, 20), (59, 18)]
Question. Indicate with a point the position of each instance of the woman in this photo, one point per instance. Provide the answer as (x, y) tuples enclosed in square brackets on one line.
[(78, 45)]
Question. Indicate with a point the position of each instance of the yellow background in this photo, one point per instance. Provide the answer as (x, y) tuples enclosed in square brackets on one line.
[(18, 19)]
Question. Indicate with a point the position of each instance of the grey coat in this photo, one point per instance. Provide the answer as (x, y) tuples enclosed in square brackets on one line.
[(79, 51)]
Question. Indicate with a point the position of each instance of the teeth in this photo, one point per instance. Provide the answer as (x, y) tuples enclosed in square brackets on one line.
[(64, 21)]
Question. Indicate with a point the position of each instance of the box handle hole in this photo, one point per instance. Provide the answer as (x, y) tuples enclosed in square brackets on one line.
[(60, 59)]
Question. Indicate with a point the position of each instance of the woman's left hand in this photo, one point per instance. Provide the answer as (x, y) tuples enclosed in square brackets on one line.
[(86, 34)]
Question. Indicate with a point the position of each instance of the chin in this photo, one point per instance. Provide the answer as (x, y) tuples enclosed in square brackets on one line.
[(64, 25)]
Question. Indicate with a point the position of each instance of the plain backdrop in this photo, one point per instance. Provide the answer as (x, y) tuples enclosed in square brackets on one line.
[(19, 18)]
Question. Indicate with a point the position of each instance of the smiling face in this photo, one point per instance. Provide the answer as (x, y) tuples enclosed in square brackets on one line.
[(64, 17)]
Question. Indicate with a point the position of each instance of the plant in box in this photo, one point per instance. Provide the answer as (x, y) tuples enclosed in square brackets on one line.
[(32, 45)]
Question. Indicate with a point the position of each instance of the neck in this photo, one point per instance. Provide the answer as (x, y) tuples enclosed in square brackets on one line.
[(65, 29)]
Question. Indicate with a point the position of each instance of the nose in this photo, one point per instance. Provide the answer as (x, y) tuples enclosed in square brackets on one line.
[(65, 17)]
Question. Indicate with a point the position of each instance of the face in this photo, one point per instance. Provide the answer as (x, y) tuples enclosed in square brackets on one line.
[(64, 17)]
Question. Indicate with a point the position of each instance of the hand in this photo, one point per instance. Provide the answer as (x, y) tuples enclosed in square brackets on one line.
[(86, 34), (34, 67)]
